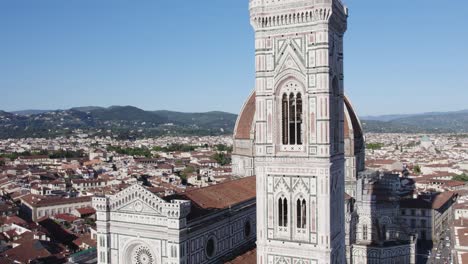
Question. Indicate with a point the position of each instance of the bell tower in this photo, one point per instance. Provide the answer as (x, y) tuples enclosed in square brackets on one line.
[(299, 141)]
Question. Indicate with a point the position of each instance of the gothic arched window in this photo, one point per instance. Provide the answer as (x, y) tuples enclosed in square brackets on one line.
[(364, 232), (304, 214), (298, 213), (292, 119), (280, 212), (301, 213), (285, 119), (283, 212), (299, 119)]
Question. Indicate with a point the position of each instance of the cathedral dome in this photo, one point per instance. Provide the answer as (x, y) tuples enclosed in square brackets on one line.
[(245, 122), (352, 130), (244, 133)]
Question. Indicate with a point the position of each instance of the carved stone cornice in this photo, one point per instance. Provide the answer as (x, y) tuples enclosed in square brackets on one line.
[(294, 13)]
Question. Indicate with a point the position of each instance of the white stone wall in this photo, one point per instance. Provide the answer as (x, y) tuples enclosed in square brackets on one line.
[(299, 49), (242, 166), (136, 226), (363, 254)]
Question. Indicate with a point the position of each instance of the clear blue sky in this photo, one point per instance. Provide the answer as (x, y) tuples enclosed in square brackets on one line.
[(401, 56)]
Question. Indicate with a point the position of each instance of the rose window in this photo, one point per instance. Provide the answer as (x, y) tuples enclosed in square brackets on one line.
[(142, 255)]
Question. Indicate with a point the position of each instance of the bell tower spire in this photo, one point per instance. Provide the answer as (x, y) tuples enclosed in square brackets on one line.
[(299, 145)]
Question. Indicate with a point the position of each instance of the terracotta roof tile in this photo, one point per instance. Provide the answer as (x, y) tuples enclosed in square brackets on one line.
[(15, 220), (85, 239), (244, 124), (249, 257), (86, 211), (442, 199), (463, 236), (41, 201), (219, 196), (464, 258), (31, 250), (436, 203), (225, 194)]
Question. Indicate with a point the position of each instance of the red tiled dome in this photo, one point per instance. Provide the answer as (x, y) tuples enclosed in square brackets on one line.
[(246, 119), (244, 125)]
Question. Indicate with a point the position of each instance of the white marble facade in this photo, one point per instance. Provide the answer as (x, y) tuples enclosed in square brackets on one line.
[(137, 227), (299, 143)]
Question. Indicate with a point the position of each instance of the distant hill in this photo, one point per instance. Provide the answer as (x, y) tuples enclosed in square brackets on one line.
[(131, 122), (116, 121), (223, 120), (436, 122), (386, 118), (126, 113)]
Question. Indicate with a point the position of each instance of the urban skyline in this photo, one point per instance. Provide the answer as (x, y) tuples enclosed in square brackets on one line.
[(317, 167)]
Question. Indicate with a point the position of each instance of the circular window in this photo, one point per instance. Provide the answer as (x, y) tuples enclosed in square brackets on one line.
[(210, 247), (247, 229), (142, 255)]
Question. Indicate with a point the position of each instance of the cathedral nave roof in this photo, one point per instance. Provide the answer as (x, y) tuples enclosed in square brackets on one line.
[(217, 197)]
